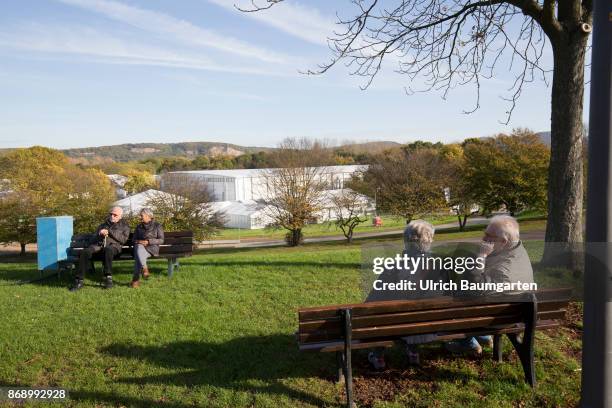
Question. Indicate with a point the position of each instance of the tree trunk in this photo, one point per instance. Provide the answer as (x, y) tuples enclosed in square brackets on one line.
[(296, 236), (23, 249), (462, 222), (564, 227)]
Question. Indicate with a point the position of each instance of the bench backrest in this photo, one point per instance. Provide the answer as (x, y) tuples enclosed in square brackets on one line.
[(393, 319), (175, 242)]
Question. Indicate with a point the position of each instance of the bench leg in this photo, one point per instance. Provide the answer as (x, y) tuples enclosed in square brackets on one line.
[(497, 348), (348, 370), (525, 354), (172, 263), (170, 267), (524, 347)]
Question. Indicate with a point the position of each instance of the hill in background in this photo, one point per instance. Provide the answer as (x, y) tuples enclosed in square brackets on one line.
[(141, 151), (368, 147)]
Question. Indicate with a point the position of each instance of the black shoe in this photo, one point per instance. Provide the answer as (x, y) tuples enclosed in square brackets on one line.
[(108, 282), (78, 284)]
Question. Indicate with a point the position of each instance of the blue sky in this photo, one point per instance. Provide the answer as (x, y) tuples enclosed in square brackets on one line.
[(78, 73)]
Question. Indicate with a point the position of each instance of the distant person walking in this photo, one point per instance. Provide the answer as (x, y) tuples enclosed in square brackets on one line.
[(108, 240), (148, 236)]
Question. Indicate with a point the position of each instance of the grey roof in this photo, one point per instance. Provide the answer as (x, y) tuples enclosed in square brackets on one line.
[(245, 173)]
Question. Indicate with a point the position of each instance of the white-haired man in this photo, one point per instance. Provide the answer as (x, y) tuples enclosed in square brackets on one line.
[(108, 240), (506, 260)]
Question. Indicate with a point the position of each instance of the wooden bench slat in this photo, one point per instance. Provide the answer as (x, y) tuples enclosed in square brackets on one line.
[(175, 249), (163, 250), (417, 328), (177, 240), (412, 317), (171, 234), (363, 309), (426, 315), (337, 346), (427, 327), (332, 346)]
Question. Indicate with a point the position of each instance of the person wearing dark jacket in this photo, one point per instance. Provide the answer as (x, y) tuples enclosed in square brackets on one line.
[(148, 236), (110, 236)]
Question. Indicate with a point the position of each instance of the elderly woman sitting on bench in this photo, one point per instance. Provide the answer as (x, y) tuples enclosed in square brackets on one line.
[(148, 236), (418, 237)]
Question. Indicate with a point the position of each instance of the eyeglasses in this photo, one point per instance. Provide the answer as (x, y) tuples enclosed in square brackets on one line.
[(114, 215)]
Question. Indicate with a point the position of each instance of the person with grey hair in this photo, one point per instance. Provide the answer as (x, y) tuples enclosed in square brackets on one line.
[(108, 240), (148, 236), (418, 237), (506, 261)]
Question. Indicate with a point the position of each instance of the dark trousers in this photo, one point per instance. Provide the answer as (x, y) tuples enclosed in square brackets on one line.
[(88, 253)]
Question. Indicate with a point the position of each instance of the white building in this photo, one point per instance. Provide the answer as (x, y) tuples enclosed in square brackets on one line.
[(243, 214), (238, 194), (134, 203), (251, 214), (247, 184), (118, 181)]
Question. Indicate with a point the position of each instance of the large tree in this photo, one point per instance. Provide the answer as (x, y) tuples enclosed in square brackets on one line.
[(506, 171), (139, 181), (42, 182), (408, 183), (447, 43), (294, 188), (350, 208)]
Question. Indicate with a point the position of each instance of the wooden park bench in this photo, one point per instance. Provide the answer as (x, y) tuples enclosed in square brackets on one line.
[(177, 244), (343, 328)]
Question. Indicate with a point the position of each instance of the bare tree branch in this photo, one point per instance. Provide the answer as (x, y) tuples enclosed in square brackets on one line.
[(440, 44)]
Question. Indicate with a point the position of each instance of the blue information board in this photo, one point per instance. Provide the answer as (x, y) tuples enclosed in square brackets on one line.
[(53, 236)]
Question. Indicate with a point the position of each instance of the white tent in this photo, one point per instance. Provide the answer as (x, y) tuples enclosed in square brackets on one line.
[(251, 214), (134, 203), (247, 214)]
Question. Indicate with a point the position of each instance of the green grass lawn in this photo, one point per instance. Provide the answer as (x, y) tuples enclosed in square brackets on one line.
[(220, 334), (325, 229), (390, 223)]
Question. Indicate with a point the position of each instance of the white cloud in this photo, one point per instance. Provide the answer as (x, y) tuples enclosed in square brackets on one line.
[(103, 47), (300, 21), (178, 29)]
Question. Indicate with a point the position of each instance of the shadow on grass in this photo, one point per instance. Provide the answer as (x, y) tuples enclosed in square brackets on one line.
[(254, 364), (14, 257), (21, 273)]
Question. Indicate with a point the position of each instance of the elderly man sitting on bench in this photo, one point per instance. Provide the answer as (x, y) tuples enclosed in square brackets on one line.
[(108, 240), (506, 260)]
